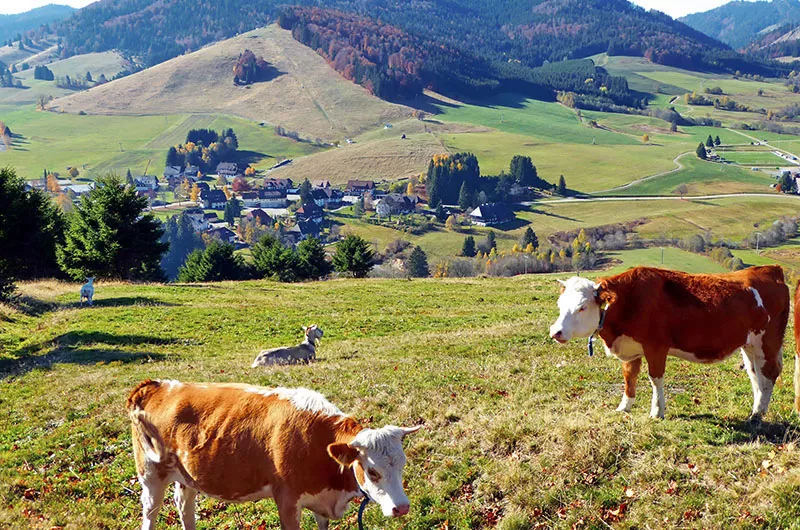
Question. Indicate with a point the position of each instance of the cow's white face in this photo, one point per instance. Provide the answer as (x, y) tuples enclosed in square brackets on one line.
[(379, 461), (579, 312), (313, 333)]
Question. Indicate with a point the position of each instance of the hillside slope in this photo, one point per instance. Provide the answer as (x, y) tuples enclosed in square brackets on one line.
[(11, 25), (306, 95), (739, 23)]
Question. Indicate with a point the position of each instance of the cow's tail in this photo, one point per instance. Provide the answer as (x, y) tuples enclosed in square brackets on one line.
[(151, 440), (797, 349)]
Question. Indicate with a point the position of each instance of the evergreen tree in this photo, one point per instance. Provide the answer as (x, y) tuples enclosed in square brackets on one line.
[(88, 76), (701, 151), (313, 262), (709, 141), (31, 228), (417, 263), (129, 178), (523, 171), (468, 249), (173, 158), (233, 210), (529, 238), (464, 197), (214, 264), (717, 141), (787, 183), (110, 236), (491, 240), (305, 192), (182, 239), (358, 207), (441, 215), (272, 259), (353, 255), (562, 185)]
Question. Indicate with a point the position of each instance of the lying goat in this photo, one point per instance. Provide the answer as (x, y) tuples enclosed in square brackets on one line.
[(87, 290), (302, 353)]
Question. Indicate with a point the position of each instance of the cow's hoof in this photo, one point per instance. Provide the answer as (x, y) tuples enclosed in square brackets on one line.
[(657, 415), (755, 419)]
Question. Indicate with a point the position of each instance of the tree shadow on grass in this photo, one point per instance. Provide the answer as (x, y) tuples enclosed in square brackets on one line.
[(749, 431), (121, 301), (71, 348)]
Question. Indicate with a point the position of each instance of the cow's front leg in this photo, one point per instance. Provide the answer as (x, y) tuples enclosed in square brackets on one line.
[(288, 512), (322, 521), (630, 372), (656, 363)]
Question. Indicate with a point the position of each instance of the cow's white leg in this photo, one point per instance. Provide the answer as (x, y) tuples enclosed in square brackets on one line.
[(184, 502), (322, 521), (753, 357), (153, 489), (658, 405)]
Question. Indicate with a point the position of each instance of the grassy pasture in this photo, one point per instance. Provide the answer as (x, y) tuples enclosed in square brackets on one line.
[(518, 430), (673, 258), (58, 140)]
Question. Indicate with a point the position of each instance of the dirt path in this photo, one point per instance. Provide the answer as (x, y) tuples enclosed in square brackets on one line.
[(667, 198), (675, 160)]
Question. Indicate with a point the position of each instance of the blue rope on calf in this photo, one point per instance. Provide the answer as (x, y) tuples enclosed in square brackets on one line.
[(362, 507)]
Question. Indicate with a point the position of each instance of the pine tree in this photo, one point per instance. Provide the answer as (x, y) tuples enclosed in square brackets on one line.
[(709, 141), (562, 186), (353, 255), (468, 249), (274, 260), (110, 236), (491, 240), (232, 212), (417, 263), (358, 207), (305, 192), (464, 197), (313, 261), (441, 214), (523, 171), (214, 264), (529, 238), (717, 141), (182, 239), (701, 151), (129, 178)]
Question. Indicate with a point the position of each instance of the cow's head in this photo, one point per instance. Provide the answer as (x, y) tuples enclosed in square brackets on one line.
[(313, 333), (90, 280), (377, 458), (579, 309)]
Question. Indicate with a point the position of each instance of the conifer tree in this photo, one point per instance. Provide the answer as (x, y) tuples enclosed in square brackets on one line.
[(417, 263)]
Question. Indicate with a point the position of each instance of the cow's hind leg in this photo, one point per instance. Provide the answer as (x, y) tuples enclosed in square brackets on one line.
[(153, 488), (322, 521), (184, 502), (763, 362), (630, 372)]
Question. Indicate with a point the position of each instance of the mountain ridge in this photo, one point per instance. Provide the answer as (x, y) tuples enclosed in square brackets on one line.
[(739, 23)]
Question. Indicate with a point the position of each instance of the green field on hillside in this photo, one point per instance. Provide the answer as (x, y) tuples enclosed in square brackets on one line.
[(517, 430), (667, 258), (116, 143)]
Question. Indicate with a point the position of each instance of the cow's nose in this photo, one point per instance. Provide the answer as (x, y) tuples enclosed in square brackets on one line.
[(397, 511), (558, 336)]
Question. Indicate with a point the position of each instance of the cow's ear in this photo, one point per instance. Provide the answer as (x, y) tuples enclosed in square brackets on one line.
[(410, 430), (562, 286), (343, 453)]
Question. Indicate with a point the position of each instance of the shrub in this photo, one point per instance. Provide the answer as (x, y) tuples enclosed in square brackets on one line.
[(216, 263)]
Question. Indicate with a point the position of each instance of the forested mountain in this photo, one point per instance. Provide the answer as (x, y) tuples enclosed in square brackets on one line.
[(395, 49), (740, 23), (781, 42), (12, 25)]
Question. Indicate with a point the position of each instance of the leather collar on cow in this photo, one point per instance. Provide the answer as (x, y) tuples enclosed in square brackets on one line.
[(603, 310), (364, 503)]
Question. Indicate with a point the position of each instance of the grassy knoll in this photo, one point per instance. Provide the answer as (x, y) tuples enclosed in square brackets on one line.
[(516, 428), (753, 158), (703, 178), (673, 258), (58, 140)]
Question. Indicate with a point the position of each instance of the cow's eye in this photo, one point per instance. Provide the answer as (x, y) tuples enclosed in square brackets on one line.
[(374, 476), (582, 309)]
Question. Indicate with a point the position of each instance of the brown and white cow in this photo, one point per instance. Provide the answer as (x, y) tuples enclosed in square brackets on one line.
[(652, 313), (241, 443)]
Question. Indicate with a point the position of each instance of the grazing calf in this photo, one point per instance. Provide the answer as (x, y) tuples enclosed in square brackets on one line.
[(304, 352), (652, 313), (243, 443), (87, 291)]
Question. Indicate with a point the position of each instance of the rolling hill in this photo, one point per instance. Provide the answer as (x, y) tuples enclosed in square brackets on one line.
[(739, 23), (305, 95)]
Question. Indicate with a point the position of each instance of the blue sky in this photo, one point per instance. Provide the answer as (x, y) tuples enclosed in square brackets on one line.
[(675, 8)]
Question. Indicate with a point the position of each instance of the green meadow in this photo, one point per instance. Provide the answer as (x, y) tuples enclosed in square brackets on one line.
[(518, 432)]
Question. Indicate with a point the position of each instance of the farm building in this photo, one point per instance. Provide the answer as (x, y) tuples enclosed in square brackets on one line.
[(213, 199), (491, 214)]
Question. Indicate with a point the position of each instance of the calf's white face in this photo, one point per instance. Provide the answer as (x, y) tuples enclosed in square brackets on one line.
[(579, 312), (379, 454)]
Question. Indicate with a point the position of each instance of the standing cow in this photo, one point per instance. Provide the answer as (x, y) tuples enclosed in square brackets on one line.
[(243, 443), (652, 313)]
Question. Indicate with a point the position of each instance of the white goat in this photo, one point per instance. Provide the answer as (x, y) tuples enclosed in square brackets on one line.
[(302, 353), (87, 290)]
